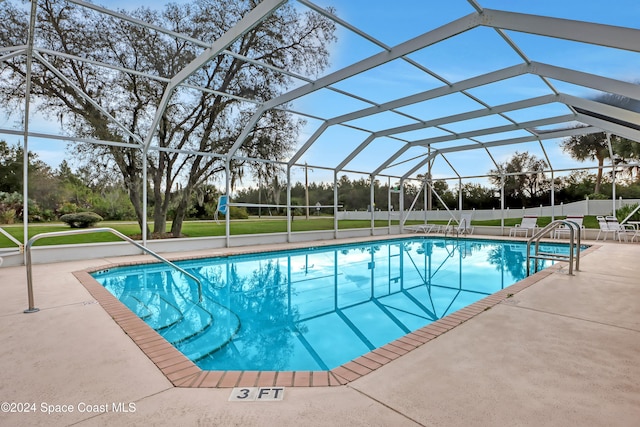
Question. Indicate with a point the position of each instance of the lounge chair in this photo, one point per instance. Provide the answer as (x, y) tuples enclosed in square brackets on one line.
[(564, 230), (621, 230), (604, 228), (464, 225), (528, 223), (421, 228), (635, 231), (445, 228)]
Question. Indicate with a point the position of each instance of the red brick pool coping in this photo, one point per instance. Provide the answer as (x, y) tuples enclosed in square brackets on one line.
[(182, 372)]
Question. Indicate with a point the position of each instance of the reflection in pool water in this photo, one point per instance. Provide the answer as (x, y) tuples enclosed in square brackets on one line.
[(318, 308)]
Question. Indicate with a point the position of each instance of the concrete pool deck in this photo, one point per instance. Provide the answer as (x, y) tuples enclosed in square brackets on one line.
[(563, 351)]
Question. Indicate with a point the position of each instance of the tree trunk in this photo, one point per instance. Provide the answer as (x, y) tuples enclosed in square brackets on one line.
[(159, 210), (161, 203), (599, 175), (126, 163), (159, 219), (135, 196), (275, 192), (181, 211), (183, 205)]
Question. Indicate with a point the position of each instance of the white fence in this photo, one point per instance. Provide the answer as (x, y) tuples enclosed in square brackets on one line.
[(584, 207)]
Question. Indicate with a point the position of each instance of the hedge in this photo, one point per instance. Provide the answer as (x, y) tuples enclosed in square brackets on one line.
[(81, 219)]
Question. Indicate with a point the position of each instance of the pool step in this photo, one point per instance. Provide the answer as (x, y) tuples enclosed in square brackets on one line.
[(165, 314), (197, 330), (225, 325), (194, 321), (134, 304), (153, 308)]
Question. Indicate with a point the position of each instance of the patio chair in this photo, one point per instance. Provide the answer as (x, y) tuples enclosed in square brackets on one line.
[(604, 228), (564, 230), (621, 230), (464, 226), (421, 228), (636, 230), (528, 223), (445, 228)]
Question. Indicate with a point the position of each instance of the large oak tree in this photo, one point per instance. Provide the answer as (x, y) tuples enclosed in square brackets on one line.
[(205, 115)]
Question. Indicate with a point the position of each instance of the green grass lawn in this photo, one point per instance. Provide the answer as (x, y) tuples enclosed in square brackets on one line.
[(189, 229), (210, 228)]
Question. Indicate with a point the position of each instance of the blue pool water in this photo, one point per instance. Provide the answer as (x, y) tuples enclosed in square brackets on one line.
[(318, 308)]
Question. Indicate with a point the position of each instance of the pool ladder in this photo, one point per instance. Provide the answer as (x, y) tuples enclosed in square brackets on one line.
[(574, 242), (33, 309)]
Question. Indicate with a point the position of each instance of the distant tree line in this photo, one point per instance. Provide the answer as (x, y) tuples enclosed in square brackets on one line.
[(525, 185), (56, 192)]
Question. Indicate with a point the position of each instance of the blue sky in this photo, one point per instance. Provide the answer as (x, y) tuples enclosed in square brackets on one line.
[(478, 51), (475, 52)]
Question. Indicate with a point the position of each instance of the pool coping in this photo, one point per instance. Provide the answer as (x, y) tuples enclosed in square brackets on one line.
[(182, 372)]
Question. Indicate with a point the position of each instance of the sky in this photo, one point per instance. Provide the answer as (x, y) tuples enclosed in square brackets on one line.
[(469, 54)]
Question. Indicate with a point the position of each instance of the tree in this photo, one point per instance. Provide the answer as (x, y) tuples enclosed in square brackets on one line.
[(441, 188), (591, 146), (576, 186), (478, 197), (82, 95), (42, 182), (627, 153), (524, 177), (595, 146), (11, 160)]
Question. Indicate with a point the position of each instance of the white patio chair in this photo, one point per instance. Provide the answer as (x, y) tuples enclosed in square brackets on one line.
[(445, 228), (464, 226), (621, 230), (604, 229), (564, 230), (421, 228), (528, 223)]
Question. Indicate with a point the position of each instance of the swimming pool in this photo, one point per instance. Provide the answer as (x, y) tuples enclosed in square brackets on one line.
[(318, 308)]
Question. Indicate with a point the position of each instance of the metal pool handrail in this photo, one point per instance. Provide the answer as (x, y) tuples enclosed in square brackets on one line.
[(574, 235), (33, 309)]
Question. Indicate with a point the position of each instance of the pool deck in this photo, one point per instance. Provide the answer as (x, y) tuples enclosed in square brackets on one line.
[(564, 350)]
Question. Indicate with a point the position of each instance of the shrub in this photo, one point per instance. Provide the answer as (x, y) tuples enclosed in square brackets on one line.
[(598, 196), (625, 210), (113, 204), (237, 212), (48, 215), (68, 208), (7, 216), (10, 207), (81, 219)]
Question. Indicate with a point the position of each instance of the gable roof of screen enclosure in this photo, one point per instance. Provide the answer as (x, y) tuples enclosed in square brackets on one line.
[(414, 139)]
